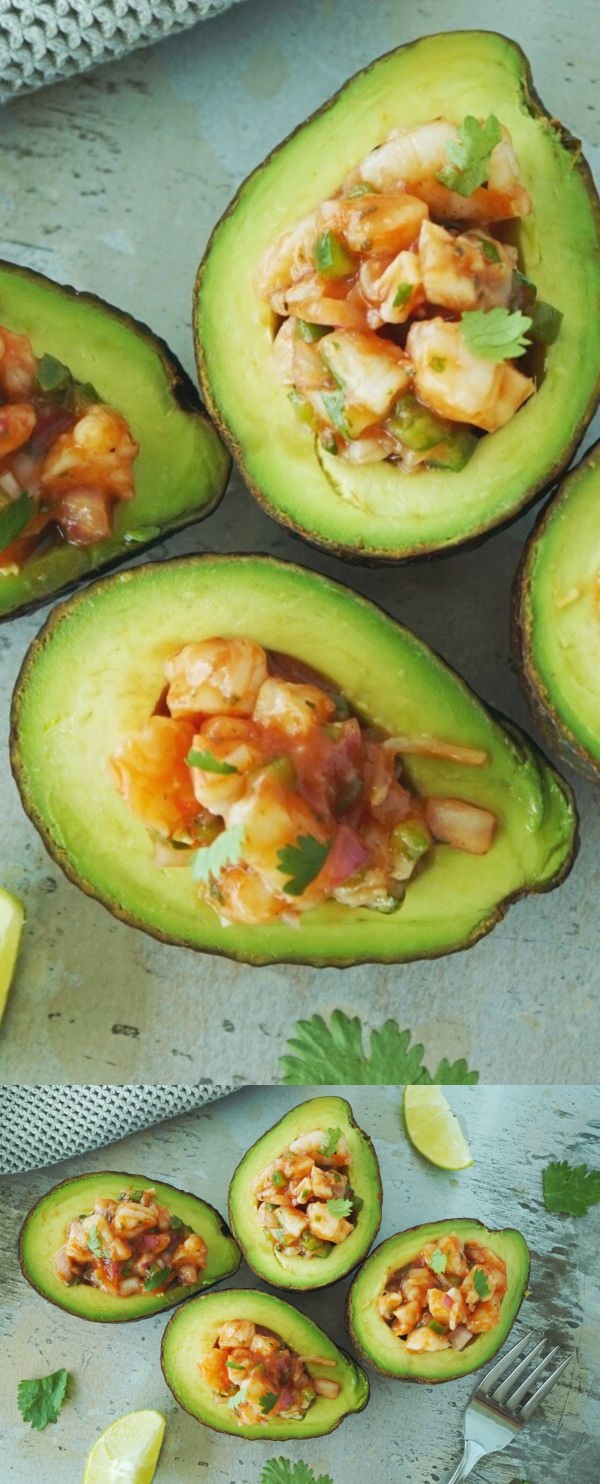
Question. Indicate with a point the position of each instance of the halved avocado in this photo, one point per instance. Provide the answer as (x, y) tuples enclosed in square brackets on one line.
[(282, 1270), (44, 1230), (97, 669), (182, 467), (193, 1330), (556, 617), (376, 512), (375, 1340)]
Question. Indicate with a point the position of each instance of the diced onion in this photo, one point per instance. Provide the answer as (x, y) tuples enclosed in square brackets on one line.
[(329, 1389), (460, 1337), (454, 822), (470, 757)]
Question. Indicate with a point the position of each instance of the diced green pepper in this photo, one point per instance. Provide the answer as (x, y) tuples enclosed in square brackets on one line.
[(284, 770), (315, 1245), (402, 295), (411, 838), (302, 407), (335, 407), (415, 426), (331, 257), (52, 375), (545, 322), (14, 517), (456, 450), (306, 331)]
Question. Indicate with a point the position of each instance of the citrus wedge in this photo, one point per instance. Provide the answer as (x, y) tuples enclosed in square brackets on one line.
[(127, 1452), (434, 1129), (12, 917)]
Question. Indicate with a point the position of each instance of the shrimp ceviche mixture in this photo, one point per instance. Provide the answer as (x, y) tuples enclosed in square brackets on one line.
[(451, 1292), (276, 796), (260, 1377), (130, 1245), (304, 1199), (65, 457), (400, 306)]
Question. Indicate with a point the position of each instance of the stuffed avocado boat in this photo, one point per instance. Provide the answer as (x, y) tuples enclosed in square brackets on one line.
[(104, 445), (246, 1363), (200, 792), (437, 1301), (113, 1247), (305, 1201), (411, 278), (556, 617)]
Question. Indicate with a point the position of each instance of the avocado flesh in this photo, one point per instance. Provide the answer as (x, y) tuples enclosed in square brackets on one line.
[(365, 1180), (97, 669), (557, 643), (374, 1338), (182, 467), (193, 1330), (376, 511), (44, 1231)]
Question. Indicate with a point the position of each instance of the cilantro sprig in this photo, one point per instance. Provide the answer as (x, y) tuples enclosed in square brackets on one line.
[(267, 1402), (95, 1245), (281, 1471), (570, 1189), (469, 155), (339, 1206), (330, 1142), (438, 1261), (226, 850), (208, 762), (155, 1278), (322, 1053), (39, 1401), (495, 334), (302, 862), (481, 1283)]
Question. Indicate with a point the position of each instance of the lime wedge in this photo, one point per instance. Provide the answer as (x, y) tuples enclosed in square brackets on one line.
[(127, 1453), (12, 917), (433, 1128)]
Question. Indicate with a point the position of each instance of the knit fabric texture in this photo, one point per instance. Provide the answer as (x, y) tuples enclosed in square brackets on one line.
[(43, 41), (41, 1125)]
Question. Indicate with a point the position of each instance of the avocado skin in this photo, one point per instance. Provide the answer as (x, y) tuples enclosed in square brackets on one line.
[(266, 1266), (561, 737), (248, 955), (187, 401), (152, 1305), (360, 551), (459, 1360), (271, 1311)]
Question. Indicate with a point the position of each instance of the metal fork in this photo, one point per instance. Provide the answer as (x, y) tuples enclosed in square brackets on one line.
[(496, 1413)]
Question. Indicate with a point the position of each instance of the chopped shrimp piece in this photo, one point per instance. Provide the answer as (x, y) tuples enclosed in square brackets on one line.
[(232, 741), (463, 825), (132, 1218), (447, 1308), (412, 158), (394, 289), (290, 256), (466, 271), (388, 1302), (382, 223), (215, 676), (236, 1332), (292, 1221), (213, 1370), (63, 1267), (323, 1387), (193, 1249), (453, 1250), (264, 1345), (18, 366), (416, 1283), (307, 300), (426, 1339), (371, 372), (97, 451), (406, 1317), (149, 770), (83, 516), (327, 1184), (274, 816), (459, 385), (292, 708), (242, 896), (17, 422), (326, 1226), (485, 1316)]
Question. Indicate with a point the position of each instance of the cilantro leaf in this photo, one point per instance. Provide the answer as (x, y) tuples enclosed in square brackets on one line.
[(224, 851), (281, 1471), (339, 1207), (267, 1402), (330, 1142), (495, 334), (323, 1053), (302, 862), (450, 1073), (469, 153), (40, 1401), (481, 1283), (94, 1242), (208, 762), (438, 1261), (155, 1277), (570, 1189), (239, 1397), (14, 517)]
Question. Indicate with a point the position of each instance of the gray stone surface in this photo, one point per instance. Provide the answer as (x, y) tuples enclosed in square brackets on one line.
[(408, 1433), (113, 182)]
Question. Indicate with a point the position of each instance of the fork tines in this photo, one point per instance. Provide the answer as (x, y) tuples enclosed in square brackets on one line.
[(508, 1395)]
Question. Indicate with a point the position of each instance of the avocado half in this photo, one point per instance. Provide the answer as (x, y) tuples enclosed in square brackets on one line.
[(376, 512), (556, 617), (193, 1330), (96, 670), (374, 1339), (44, 1230), (182, 467), (365, 1179)]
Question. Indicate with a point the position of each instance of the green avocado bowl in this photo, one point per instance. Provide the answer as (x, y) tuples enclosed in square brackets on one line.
[(378, 511), (96, 670)]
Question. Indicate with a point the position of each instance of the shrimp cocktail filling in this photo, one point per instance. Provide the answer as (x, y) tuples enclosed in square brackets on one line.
[(275, 795), (65, 457), (304, 1199), (399, 306), (451, 1292), (130, 1245), (259, 1377)]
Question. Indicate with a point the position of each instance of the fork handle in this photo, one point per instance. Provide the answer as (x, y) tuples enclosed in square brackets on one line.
[(472, 1454)]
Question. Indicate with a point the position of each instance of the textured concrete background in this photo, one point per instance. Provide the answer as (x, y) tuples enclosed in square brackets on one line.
[(407, 1433), (113, 183)]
